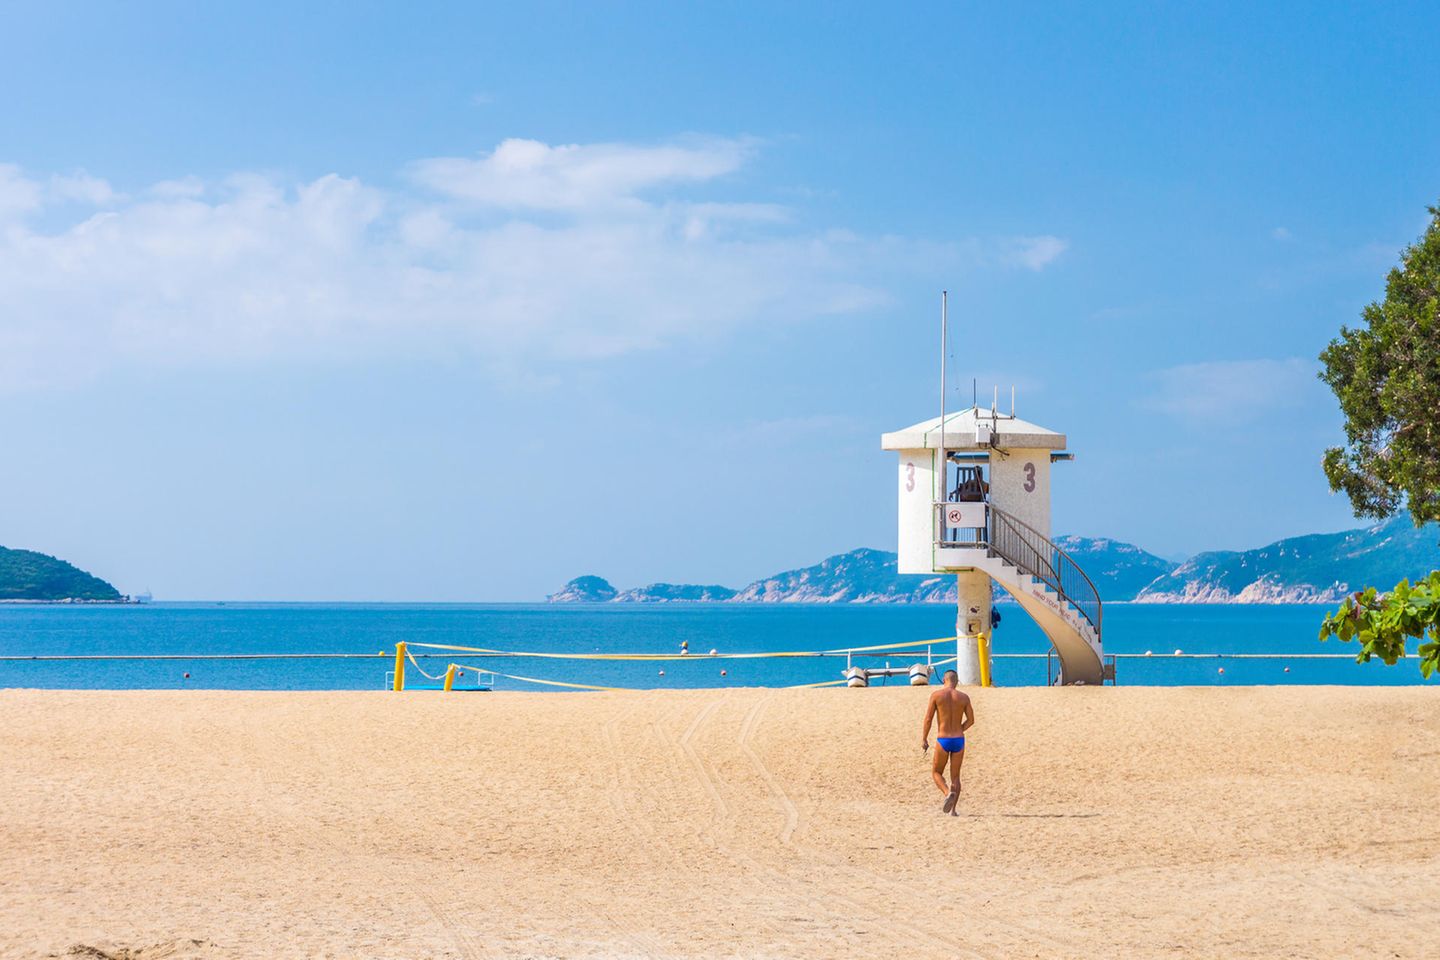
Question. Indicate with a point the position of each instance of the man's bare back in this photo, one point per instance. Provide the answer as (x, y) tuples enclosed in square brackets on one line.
[(951, 706)]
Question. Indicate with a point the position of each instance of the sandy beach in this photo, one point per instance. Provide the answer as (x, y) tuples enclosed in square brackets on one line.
[(1123, 822)]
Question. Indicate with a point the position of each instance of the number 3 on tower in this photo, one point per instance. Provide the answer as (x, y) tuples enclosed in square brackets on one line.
[(1029, 478)]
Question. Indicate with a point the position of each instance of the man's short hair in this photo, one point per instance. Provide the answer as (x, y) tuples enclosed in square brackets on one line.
[(949, 674)]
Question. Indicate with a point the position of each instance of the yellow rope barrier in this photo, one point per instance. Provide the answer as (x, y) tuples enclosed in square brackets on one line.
[(678, 656), (591, 686), (411, 657), (548, 683), (403, 650)]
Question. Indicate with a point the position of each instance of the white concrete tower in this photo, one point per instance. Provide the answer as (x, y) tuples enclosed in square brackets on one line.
[(977, 504)]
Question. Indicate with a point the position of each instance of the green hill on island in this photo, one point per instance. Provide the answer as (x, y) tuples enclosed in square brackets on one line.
[(1317, 568), (27, 575)]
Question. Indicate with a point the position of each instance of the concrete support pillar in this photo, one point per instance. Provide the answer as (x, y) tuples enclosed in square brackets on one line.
[(972, 619)]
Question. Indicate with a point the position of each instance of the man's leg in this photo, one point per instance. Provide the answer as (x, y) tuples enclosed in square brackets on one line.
[(937, 769), (956, 759), (952, 795)]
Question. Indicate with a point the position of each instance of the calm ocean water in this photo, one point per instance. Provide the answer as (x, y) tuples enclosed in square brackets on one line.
[(367, 629)]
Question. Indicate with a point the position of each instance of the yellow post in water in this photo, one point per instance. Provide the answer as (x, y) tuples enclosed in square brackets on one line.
[(400, 666), (449, 678), (984, 643)]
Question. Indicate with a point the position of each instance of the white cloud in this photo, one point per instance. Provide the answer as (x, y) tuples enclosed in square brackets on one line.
[(18, 195), (82, 188), (1035, 253), (529, 254), (1281, 233), (1231, 391), (523, 174), (184, 187), (700, 218)]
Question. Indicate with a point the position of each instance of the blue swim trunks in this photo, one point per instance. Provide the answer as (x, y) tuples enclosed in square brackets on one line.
[(951, 744)]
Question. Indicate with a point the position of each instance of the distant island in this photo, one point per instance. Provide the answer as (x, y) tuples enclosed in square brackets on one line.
[(1318, 568), (30, 577)]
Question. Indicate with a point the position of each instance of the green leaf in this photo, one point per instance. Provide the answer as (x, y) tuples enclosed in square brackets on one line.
[(1383, 375)]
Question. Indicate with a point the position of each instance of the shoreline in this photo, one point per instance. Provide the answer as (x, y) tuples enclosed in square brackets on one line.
[(75, 602)]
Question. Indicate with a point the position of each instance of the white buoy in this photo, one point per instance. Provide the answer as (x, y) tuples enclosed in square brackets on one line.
[(714, 652), (1179, 652), (1149, 653)]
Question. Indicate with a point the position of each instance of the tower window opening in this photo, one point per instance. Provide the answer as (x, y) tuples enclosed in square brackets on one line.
[(970, 486)]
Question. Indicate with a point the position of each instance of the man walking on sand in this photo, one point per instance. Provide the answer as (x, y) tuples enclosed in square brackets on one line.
[(956, 716)]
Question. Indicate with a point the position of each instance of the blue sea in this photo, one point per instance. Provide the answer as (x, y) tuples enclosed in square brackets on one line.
[(184, 633)]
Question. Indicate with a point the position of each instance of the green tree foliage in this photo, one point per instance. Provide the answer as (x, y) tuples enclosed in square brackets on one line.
[(1382, 622), (1386, 376), (27, 575)]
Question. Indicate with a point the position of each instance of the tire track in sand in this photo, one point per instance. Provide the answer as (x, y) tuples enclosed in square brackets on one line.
[(784, 884), (722, 809), (465, 945), (673, 756), (459, 937), (677, 760), (623, 785), (794, 820), (660, 854), (787, 806)]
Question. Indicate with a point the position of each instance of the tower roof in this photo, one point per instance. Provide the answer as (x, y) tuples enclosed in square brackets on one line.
[(960, 433)]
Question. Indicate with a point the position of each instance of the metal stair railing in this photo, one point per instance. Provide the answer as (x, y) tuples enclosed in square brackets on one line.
[(1035, 554)]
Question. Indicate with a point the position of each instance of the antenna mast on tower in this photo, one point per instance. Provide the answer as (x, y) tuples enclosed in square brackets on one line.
[(944, 342)]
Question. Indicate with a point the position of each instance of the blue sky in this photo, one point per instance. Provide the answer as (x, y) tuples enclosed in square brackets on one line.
[(359, 301)]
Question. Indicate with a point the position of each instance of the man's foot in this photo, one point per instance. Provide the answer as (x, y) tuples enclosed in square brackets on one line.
[(950, 800)]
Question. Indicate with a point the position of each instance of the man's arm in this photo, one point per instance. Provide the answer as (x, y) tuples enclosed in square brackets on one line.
[(967, 719), (929, 717)]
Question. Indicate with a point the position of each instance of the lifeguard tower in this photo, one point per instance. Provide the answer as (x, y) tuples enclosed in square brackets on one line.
[(974, 491)]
